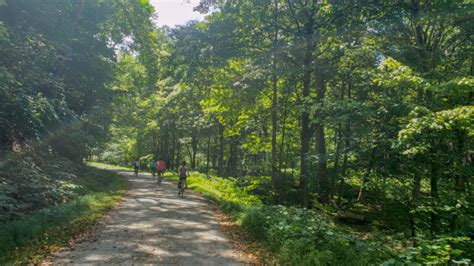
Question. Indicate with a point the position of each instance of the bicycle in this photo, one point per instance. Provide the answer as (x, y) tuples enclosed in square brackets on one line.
[(135, 172), (160, 177), (181, 185), (153, 173)]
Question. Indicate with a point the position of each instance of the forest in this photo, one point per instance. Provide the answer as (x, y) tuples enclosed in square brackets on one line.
[(331, 131)]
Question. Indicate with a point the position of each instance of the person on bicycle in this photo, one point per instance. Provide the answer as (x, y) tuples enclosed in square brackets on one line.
[(183, 174), (161, 166), (153, 168), (136, 166)]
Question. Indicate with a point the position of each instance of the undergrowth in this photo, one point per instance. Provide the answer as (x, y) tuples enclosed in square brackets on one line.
[(297, 236), (32, 236), (225, 192)]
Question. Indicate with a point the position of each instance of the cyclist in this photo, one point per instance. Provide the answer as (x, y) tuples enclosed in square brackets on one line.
[(136, 166), (153, 168), (183, 174), (161, 166)]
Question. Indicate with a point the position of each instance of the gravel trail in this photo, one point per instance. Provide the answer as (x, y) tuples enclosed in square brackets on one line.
[(155, 226)]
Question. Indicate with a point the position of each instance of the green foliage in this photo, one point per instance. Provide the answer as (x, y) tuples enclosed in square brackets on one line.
[(225, 191), (31, 237), (56, 69), (30, 183), (433, 252), (305, 237), (368, 105), (434, 131), (302, 237), (364, 108), (36, 180), (440, 143), (296, 236)]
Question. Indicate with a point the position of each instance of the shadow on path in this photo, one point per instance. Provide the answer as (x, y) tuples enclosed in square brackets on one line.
[(154, 225)]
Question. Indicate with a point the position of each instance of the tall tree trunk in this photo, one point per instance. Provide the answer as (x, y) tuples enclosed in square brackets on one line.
[(215, 152), (415, 193), (208, 153), (434, 177), (370, 165), (347, 145), (190, 154), (412, 223), (338, 143), (413, 205), (233, 157), (274, 159), (459, 179), (434, 198), (178, 153), (471, 71), (5, 145), (220, 160), (194, 146), (166, 144), (173, 147), (274, 110), (320, 137), (283, 135), (156, 139), (305, 123)]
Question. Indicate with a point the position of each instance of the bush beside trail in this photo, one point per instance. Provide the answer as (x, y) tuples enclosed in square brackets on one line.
[(29, 183), (295, 236), (298, 236), (45, 201)]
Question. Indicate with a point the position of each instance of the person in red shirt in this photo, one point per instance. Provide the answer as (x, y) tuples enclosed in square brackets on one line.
[(161, 167)]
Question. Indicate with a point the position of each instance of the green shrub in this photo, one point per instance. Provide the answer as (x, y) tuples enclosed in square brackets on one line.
[(302, 237), (255, 221), (434, 252), (30, 182), (39, 232), (296, 236), (225, 191)]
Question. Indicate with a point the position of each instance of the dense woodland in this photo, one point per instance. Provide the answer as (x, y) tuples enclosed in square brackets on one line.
[(361, 111)]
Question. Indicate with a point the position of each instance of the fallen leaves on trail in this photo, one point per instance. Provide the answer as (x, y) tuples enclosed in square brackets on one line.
[(89, 234), (252, 250)]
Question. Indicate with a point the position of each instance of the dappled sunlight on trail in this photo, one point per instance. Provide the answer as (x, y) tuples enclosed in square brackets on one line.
[(154, 225)]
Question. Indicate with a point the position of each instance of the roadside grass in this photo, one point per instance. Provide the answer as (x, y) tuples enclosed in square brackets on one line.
[(32, 238), (224, 192)]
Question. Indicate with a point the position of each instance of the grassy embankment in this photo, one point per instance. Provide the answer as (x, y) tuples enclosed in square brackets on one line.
[(37, 234)]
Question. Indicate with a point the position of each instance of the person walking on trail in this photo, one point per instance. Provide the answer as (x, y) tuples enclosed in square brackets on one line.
[(136, 166), (153, 168), (183, 175), (161, 166)]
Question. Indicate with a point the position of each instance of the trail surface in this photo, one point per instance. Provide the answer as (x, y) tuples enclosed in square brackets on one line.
[(154, 225)]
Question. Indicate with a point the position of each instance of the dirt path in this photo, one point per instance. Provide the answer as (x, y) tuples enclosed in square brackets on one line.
[(153, 225)]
